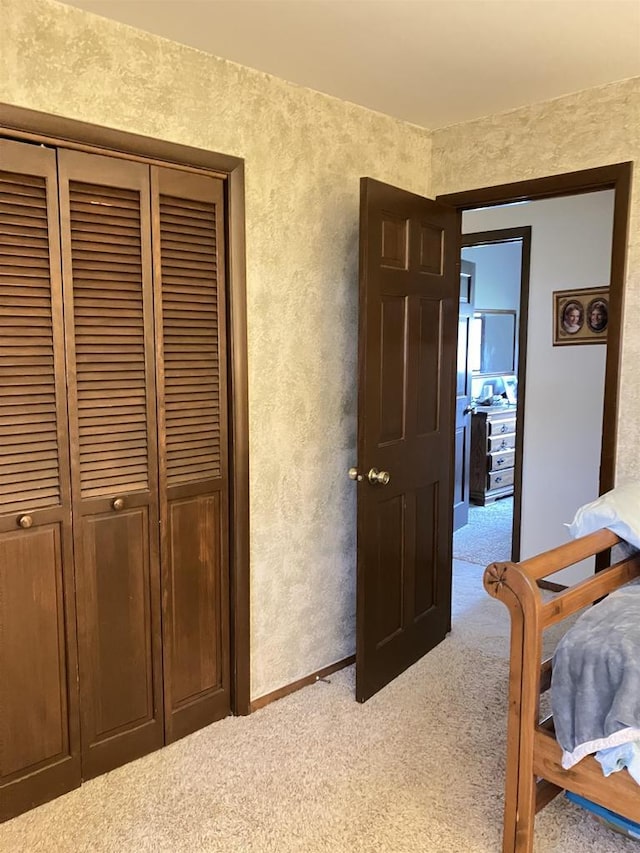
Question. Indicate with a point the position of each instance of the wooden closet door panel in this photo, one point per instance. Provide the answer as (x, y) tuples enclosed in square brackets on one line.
[(116, 563), (192, 421), (32, 643), (39, 726), (106, 240), (194, 540)]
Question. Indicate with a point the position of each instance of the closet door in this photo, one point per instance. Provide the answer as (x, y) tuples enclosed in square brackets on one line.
[(39, 731), (106, 247), (192, 418)]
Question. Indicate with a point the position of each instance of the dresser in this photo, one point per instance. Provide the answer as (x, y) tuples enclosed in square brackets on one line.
[(493, 443)]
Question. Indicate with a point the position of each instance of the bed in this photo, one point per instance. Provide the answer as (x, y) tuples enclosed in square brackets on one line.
[(534, 774)]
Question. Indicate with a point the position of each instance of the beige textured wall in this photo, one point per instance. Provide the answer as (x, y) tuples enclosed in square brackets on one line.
[(304, 153), (592, 128)]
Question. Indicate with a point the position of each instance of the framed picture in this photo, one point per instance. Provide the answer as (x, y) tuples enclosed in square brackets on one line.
[(580, 316)]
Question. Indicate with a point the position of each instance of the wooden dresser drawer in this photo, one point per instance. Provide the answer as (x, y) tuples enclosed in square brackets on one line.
[(500, 426), (502, 442), (499, 479), (501, 460)]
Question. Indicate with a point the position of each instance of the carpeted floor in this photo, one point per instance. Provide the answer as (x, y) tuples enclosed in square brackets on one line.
[(418, 768), (487, 536)]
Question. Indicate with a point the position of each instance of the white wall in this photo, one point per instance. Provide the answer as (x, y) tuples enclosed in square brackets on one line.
[(570, 248), (498, 268)]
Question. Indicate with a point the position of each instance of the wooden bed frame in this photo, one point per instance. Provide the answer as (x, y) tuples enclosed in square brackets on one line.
[(534, 770)]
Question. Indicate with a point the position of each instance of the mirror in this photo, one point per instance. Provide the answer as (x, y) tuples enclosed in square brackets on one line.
[(492, 342)]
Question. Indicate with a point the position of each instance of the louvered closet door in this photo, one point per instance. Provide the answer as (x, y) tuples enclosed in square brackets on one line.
[(192, 416), (105, 214), (39, 731)]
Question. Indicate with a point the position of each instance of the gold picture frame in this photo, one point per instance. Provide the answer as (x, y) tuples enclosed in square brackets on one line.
[(580, 316)]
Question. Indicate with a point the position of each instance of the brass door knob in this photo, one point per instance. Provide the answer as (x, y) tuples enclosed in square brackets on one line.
[(117, 504), (25, 521), (380, 478)]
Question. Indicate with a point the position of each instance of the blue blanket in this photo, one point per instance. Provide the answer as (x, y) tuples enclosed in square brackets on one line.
[(595, 685)]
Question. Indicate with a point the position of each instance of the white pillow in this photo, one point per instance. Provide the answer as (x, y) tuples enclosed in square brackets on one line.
[(618, 510)]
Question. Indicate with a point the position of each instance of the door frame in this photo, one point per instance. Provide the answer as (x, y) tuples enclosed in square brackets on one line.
[(616, 176), (461, 466), (30, 126), (488, 238)]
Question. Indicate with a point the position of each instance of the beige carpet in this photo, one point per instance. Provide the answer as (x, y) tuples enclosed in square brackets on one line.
[(418, 768), (487, 536)]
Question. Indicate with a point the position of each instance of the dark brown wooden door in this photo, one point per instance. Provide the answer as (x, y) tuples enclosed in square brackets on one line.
[(407, 335), (463, 398), (192, 392), (106, 250), (39, 726)]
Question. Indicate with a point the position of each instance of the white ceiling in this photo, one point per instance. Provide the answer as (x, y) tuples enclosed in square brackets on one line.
[(432, 62)]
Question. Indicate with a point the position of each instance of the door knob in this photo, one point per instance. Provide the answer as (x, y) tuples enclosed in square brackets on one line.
[(117, 504), (353, 474), (380, 477), (470, 410)]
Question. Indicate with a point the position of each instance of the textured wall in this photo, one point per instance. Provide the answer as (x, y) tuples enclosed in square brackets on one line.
[(305, 153), (592, 128)]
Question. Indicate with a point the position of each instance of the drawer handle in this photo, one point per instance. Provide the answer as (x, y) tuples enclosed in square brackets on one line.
[(498, 479), (503, 428), (117, 504), (500, 461), (503, 445), (25, 521)]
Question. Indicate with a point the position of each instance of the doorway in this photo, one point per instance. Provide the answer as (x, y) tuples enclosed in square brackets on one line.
[(489, 346), (596, 217)]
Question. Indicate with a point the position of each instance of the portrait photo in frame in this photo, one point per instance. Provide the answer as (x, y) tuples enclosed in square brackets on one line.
[(580, 316)]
